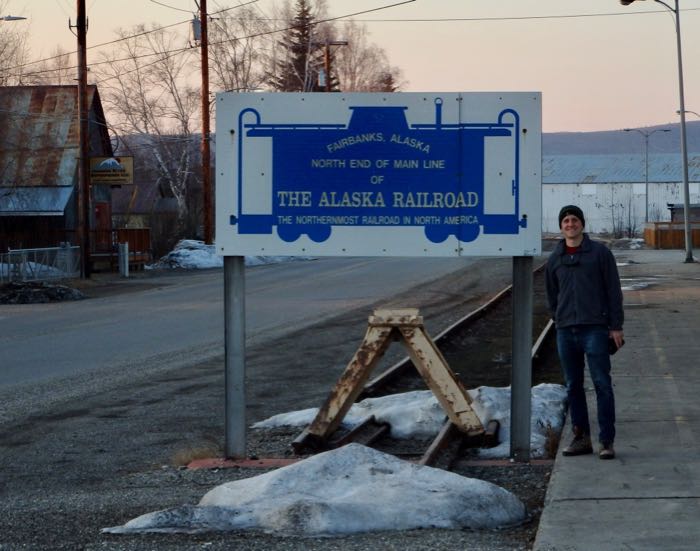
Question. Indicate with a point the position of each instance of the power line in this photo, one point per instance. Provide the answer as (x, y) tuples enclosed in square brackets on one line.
[(22, 66), (346, 16), (314, 23), (171, 53), (165, 56), (171, 7), (264, 18), (121, 39), (519, 18), (504, 18)]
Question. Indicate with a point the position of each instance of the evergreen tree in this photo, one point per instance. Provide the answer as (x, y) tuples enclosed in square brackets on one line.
[(387, 82), (303, 58)]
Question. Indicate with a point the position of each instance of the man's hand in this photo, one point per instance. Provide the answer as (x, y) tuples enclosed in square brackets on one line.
[(618, 337)]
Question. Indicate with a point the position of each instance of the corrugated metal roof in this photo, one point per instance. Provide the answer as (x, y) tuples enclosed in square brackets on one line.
[(34, 200), (39, 138), (582, 169)]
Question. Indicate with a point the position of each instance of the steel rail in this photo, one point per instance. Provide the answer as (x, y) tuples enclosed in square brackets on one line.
[(450, 441)]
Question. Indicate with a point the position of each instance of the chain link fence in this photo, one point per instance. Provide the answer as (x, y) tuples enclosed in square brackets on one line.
[(40, 264)]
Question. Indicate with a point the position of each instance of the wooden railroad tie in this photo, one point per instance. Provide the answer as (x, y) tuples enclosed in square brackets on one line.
[(385, 326)]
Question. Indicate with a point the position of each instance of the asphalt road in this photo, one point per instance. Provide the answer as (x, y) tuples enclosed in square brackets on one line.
[(179, 319)]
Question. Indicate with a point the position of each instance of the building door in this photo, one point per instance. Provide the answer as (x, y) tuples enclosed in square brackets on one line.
[(103, 226)]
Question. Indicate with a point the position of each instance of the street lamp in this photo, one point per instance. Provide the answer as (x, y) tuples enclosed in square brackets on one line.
[(646, 164), (684, 142), (689, 111), (11, 18)]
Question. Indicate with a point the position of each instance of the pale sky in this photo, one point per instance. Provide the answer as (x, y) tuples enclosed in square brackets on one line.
[(596, 72)]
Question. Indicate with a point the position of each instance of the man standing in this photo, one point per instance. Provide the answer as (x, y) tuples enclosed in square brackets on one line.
[(585, 301)]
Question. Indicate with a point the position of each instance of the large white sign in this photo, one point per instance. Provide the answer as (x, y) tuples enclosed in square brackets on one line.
[(439, 174)]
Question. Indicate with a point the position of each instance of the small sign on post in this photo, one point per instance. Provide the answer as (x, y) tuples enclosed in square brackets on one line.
[(115, 171)]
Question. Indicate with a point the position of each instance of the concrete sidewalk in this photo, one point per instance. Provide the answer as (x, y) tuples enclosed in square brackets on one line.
[(649, 496)]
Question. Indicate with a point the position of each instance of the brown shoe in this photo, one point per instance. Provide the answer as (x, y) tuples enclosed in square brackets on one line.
[(606, 451), (580, 445)]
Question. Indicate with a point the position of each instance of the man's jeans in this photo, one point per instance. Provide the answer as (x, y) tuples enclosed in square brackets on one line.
[(573, 343)]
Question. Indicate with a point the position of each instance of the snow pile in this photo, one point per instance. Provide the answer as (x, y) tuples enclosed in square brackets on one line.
[(419, 414), (348, 490), (548, 407), (411, 414), (191, 254), (637, 284), (632, 243), (31, 270)]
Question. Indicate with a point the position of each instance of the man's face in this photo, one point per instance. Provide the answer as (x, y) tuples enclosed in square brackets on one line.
[(571, 226)]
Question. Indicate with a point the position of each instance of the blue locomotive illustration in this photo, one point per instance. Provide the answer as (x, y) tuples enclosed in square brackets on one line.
[(377, 171)]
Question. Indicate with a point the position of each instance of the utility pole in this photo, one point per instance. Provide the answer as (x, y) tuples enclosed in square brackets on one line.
[(84, 203), (327, 58), (205, 149), (327, 65), (676, 10)]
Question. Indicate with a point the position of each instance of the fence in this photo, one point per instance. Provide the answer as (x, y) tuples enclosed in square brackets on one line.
[(669, 235), (40, 264), (105, 247)]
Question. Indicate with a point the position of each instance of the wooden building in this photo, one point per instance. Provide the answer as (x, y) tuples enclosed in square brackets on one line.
[(39, 152)]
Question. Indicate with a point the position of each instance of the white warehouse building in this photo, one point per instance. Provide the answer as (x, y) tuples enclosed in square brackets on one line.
[(611, 189)]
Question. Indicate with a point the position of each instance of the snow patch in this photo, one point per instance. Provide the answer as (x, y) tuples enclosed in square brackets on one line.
[(191, 254), (348, 490), (418, 414)]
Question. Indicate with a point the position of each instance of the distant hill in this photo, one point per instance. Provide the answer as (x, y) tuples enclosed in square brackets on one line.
[(561, 143), (617, 141)]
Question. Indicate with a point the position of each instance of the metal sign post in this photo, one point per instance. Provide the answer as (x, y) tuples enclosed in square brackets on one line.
[(521, 375), (234, 343)]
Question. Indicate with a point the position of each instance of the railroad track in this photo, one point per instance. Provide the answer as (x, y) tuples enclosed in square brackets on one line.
[(484, 329)]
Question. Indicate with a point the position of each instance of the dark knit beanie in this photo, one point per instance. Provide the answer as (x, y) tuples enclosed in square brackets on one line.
[(574, 210)]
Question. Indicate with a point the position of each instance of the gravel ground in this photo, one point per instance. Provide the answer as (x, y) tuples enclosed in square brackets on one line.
[(114, 451), (37, 293)]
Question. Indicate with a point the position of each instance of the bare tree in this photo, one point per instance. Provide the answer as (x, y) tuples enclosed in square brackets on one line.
[(237, 46), (144, 84), (362, 66), (631, 227), (60, 68), (621, 218), (14, 50)]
